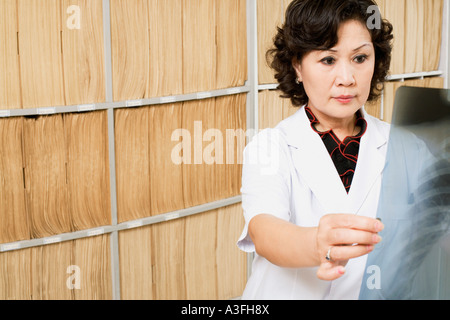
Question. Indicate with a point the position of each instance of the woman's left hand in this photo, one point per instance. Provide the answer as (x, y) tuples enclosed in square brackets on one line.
[(341, 237)]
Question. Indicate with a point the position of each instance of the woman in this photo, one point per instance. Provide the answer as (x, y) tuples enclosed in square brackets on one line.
[(311, 185)]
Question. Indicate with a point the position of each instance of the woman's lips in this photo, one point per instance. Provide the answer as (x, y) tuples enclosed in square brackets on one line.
[(345, 99)]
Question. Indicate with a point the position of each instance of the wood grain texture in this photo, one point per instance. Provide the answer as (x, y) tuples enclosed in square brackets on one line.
[(166, 175), (49, 271), (45, 175), (395, 13), (434, 82), (270, 108), (130, 47), (231, 262), (231, 29), (433, 15), (374, 108), (200, 256), (270, 16), (136, 279), (88, 169), (82, 50), (15, 275), (14, 222), (231, 122), (132, 163), (93, 256), (198, 172), (199, 45), (414, 35), (10, 95), (165, 48), (41, 68), (168, 250)]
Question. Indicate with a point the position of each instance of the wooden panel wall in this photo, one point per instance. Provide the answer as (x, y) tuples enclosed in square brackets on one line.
[(56, 175), (14, 222), (55, 169), (10, 95), (61, 63), (188, 258), (178, 155), (166, 41), (41, 70), (82, 49), (177, 52), (130, 43), (44, 273)]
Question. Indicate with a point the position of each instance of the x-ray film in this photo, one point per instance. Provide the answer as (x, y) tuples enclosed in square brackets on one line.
[(413, 260)]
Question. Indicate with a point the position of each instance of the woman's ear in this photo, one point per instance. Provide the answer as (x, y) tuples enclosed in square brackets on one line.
[(298, 69)]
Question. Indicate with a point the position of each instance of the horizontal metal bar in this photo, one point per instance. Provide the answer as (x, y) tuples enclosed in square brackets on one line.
[(55, 239), (414, 75), (6, 113), (57, 110), (269, 86), (122, 226)]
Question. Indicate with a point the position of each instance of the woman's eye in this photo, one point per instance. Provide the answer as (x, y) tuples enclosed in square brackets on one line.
[(360, 59), (328, 61)]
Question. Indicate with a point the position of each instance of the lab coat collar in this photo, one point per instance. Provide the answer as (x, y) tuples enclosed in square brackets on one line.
[(313, 163)]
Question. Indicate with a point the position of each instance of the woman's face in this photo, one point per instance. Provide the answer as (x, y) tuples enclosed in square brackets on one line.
[(338, 81)]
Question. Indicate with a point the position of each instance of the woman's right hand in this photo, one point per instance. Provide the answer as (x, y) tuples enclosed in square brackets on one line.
[(344, 236)]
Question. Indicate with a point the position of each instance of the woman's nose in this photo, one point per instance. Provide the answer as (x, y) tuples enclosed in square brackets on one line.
[(345, 75)]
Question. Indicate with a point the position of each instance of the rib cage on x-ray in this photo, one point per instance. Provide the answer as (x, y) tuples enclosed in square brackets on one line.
[(413, 259), (430, 226)]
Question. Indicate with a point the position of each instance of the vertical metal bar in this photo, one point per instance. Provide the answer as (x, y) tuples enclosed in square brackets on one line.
[(446, 32), (114, 235), (444, 64), (252, 96), (115, 266), (252, 56), (114, 239)]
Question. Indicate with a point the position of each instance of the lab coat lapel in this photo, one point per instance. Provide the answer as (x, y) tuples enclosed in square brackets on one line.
[(371, 162), (313, 163)]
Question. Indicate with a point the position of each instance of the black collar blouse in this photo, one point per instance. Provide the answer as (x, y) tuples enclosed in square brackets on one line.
[(343, 153)]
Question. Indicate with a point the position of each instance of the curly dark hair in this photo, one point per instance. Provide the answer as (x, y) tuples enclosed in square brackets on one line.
[(313, 25)]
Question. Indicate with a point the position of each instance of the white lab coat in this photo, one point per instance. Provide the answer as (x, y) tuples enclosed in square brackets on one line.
[(289, 173)]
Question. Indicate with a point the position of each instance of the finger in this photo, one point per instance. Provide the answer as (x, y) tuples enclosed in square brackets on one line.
[(329, 271), (351, 221), (351, 236), (342, 253)]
